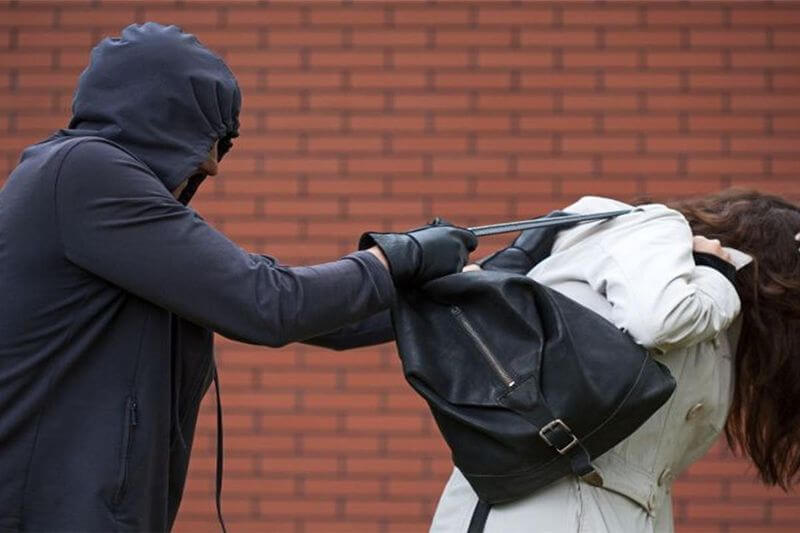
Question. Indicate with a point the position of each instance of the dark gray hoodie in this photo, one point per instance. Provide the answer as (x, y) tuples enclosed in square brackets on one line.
[(111, 289)]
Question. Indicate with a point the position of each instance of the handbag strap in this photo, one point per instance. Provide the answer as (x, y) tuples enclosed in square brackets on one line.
[(540, 222)]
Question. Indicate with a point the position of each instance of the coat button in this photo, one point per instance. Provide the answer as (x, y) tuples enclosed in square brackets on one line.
[(665, 478), (651, 502), (694, 411)]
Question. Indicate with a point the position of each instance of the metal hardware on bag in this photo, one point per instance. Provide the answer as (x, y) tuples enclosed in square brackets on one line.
[(482, 347), (552, 425)]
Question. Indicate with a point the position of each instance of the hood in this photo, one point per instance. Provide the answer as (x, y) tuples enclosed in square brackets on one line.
[(161, 95)]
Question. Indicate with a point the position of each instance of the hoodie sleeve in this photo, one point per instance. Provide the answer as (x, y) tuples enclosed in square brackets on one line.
[(117, 221), (657, 292)]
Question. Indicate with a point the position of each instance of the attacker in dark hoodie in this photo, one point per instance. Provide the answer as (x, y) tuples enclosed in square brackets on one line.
[(112, 287)]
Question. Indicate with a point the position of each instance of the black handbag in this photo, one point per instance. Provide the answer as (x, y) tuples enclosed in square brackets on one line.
[(525, 384)]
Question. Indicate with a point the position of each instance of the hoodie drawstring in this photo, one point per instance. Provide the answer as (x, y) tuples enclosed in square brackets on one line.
[(219, 452)]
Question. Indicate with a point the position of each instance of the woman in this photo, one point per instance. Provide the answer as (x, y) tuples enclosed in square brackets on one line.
[(731, 344)]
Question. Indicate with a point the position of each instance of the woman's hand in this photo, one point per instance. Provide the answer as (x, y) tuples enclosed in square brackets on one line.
[(710, 246)]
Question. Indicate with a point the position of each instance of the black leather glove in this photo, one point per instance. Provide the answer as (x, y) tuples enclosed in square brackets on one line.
[(425, 253), (527, 250)]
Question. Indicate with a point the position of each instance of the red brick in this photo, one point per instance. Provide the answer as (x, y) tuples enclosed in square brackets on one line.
[(566, 38), (600, 58), (387, 80), (257, 184), (600, 16), (525, 15), (342, 487), (352, 16), (603, 144), (304, 207), (107, 18), (764, 16), (599, 102), (262, 400), (728, 39), (385, 164), (736, 165), (487, 122), (380, 423), (299, 464), (278, 16), (225, 39), (474, 80), (345, 186), (603, 187), (31, 39), (536, 58), (404, 445), (442, 165), (765, 59), (303, 80), (341, 445), (725, 123), (434, 101), (685, 187), (346, 59), (764, 101), (387, 122), (344, 144), (341, 401), (722, 511), (514, 187), (388, 508), (515, 101), (190, 18), (763, 145), (786, 38), (635, 80), (470, 38), (309, 122), (11, 100), (691, 16), (433, 186), (294, 507), (407, 15), (375, 380), (246, 59), (15, 17), (384, 466), (558, 80), (786, 124), (25, 60), (258, 486), (683, 59), (549, 123), (430, 59), (769, 186), (252, 101), (683, 144), (389, 37), (640, 164), (429, 144), (386, 208), (304, 38), (727, 81), (576, 165), (515, 144), (673, 102), (640, 38)]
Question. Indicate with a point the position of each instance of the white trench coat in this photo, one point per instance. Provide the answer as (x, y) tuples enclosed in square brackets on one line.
[(638, 272)]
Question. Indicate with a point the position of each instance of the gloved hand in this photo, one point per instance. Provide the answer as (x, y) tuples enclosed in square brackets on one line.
[(425, 253), (527, 250)]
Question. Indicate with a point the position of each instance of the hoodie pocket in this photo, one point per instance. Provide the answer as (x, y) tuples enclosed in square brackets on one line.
[(126, 445)]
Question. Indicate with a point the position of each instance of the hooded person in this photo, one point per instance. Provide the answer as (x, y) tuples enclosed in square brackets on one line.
[(112, 288)]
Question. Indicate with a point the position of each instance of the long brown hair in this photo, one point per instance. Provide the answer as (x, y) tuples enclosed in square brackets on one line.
[(764, 420)]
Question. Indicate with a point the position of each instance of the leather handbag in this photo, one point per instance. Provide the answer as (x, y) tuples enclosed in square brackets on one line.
[(525, 384)]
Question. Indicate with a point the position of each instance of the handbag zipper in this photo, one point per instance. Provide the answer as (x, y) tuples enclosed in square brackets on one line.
[(482, 347)]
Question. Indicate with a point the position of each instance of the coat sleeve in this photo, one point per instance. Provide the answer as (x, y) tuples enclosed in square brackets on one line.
[(658, 294), (117, 221)]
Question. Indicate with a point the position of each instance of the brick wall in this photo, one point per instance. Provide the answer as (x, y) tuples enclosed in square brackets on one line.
[(368, 115)]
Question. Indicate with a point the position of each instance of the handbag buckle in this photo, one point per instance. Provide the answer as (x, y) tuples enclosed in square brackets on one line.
[(556, 425)]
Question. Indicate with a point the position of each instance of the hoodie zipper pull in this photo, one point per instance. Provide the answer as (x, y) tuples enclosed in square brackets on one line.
[(134, 419)]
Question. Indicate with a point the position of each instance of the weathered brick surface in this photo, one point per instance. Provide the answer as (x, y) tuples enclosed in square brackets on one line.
[(379, 115)]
